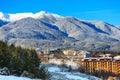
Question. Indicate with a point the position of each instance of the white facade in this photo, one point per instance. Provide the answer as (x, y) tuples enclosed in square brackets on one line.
[(117, 57), (85, 54)]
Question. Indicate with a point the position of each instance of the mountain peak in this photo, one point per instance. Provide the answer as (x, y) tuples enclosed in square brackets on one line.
[(18, 16), (42, 14)]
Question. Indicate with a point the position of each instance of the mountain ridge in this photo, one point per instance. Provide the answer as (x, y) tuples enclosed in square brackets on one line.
[(53, 31), (13, 17)]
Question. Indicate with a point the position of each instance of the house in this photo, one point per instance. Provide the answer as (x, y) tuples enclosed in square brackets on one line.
[(117, 57), (85, 54), (69, 52)]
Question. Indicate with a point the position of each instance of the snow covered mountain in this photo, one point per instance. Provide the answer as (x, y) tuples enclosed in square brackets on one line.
[(42, 30), (3, 22), (18, 16)]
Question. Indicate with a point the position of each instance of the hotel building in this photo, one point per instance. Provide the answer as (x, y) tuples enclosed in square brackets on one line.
[(105, 64)]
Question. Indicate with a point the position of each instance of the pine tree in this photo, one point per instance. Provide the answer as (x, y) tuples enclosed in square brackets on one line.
[(19, 60)]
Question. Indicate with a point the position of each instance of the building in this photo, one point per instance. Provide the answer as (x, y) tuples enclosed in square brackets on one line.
[(116, 67), (92, 65), (85, 54), (105, 55), (117, 57), (69, 52)]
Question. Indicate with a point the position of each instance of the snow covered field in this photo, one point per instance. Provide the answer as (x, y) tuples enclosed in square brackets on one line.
[(61, 74), (2, 77), (58, 73)]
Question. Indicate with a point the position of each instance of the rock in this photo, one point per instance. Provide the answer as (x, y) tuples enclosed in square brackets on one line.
[(4, 71), (26, 74)]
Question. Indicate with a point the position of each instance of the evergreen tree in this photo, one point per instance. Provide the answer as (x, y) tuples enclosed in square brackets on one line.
[(19, 60)]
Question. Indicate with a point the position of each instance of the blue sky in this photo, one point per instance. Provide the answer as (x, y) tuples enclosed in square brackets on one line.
[(103, 10)]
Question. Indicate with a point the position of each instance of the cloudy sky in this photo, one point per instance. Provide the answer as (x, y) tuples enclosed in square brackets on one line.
[(103, 10)]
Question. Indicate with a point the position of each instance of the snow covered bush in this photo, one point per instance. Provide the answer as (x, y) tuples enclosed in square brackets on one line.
[(4, 71)]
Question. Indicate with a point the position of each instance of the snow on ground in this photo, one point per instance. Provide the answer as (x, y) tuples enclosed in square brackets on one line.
[(11, 77), (67, 74), (58, 73), (75, 77), (61, 74), (2, 77), (53, 69)]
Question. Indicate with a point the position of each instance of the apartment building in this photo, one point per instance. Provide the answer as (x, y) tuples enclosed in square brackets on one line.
[(92, 65)]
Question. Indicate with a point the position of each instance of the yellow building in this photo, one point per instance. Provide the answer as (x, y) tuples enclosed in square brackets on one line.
[(92, 65), (116, 67)]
